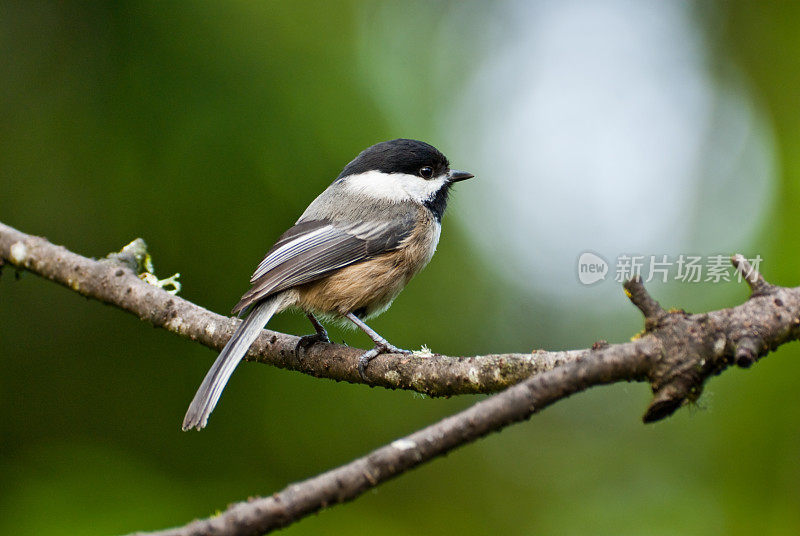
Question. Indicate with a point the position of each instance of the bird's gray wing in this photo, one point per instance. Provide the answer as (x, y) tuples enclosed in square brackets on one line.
[(314, 248)]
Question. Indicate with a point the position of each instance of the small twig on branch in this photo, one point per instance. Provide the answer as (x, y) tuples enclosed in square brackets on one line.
[(650, 308), (754, 279), (676, 354)]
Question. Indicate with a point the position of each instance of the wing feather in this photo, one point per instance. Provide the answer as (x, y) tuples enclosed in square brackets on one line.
[(312, 249)]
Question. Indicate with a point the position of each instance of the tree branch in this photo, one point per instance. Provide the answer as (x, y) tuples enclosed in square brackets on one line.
[(676, 354), (517, 403), (115, 281)]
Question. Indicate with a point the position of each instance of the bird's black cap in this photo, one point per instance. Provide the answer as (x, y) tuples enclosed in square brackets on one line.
[(397, 156)]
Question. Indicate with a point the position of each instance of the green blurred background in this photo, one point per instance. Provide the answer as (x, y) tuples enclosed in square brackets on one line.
[(206, 128)]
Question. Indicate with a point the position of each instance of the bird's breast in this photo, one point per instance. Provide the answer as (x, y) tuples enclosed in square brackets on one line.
[(419, 247), (370, 286)]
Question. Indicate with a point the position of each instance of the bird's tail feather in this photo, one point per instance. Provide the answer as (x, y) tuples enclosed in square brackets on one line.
[(211, 389)]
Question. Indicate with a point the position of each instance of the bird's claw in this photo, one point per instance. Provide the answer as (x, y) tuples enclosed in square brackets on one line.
[(369, 355), (307, 341)]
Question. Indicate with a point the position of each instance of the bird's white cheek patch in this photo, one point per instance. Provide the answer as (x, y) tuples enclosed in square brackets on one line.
[(394, 187), (379, 185), (422, 190)]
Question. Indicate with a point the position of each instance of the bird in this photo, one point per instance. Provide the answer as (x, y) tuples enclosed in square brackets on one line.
[(347, 257)]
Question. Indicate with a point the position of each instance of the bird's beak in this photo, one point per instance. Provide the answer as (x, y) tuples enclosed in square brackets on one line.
[(456, 175)]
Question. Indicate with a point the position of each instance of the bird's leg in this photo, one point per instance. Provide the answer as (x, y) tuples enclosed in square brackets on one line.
[(382, 346), (307, 341)]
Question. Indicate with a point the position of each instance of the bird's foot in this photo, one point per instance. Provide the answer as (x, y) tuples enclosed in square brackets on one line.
[(307, 341), (380, 348)]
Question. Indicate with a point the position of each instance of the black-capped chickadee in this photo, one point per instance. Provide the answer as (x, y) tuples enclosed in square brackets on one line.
[(347, 257)]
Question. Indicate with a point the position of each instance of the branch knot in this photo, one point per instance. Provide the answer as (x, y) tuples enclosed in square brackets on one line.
[(695, 347)]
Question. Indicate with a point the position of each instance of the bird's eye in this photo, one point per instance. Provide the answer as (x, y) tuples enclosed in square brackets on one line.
[(426, 172)]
